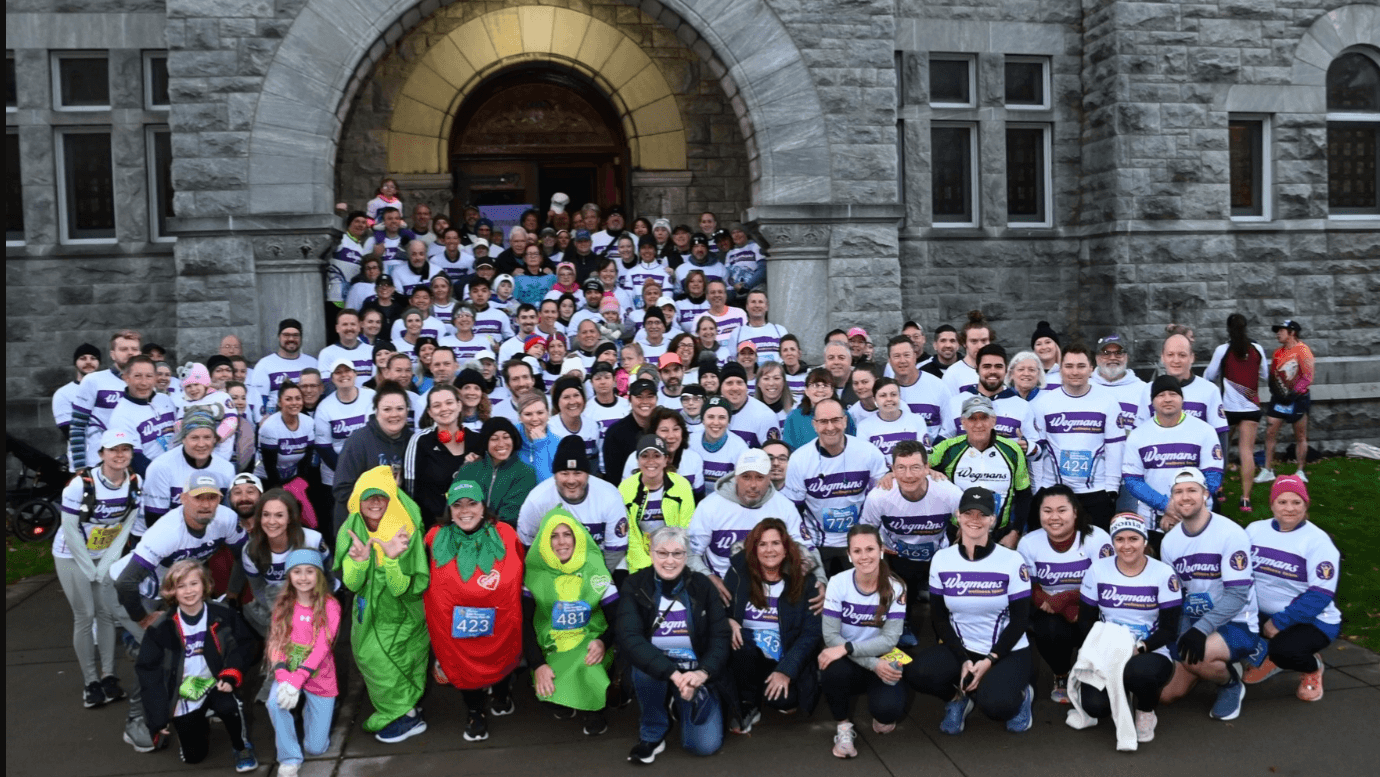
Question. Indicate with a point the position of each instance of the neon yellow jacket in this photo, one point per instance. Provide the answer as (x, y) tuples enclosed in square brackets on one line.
[(677, 505)]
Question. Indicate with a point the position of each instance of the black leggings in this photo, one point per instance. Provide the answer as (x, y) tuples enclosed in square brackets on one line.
[(916, 576), (751, 667), (935, 671), (1143, 678), (843, 680), (1293, 648), (1099, 507), (1057, 640), (474, 698), (194, 730), (835, 560)]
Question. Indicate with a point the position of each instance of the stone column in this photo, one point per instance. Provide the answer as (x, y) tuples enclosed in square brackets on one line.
[(798, 280), (664, 192), (289, 274)]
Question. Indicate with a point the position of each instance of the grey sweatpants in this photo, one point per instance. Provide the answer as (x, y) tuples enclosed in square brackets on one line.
[(89, 606)]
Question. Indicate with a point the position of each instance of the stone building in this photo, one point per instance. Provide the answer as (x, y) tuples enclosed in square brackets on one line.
[(173, 164)]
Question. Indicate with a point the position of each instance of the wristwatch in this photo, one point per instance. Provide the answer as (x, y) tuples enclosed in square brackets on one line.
[(848, 648)]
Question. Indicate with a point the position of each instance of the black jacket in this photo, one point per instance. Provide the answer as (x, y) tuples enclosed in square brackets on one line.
[(366, 447), (619, 443), (802, 631), (228, 651)]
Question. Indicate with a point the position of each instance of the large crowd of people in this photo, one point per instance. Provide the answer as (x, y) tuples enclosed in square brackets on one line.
[(579, 454)]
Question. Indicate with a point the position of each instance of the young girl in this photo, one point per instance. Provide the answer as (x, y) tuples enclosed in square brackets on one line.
[(190, 662), (385, 197), (306, 619)]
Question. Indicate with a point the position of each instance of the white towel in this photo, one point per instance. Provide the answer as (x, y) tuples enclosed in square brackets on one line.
[(1101, 661)]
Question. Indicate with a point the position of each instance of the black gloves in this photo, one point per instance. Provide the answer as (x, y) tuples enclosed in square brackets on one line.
[(1192, 646)]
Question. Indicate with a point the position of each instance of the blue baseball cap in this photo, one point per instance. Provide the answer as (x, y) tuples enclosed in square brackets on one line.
[(582, 234)]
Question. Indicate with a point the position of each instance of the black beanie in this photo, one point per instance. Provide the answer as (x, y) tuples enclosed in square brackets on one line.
[(732, 370), (85, 349), (1043, 329), (218, 361), (1166, 383), (289, 323), (570, 455), (565, 382)]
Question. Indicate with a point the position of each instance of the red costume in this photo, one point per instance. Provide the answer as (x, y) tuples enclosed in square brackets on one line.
[(480, 645)]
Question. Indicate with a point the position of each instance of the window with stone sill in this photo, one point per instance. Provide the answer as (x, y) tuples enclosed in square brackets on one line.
[(14, 192), (1353, 135), (953, 173), (1250, 160), (159, 150), (81, 81), (86, 182), (1028, 175), (1027, 83), (156, 80), (953, 79)]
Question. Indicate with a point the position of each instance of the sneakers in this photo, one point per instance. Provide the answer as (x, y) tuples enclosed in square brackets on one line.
[(288, 770), (1245, 505), (1228, 704), (646, 752), (1060, 694), (955, 713), (502, 705), (843, 741), (882, 728), (1310, 685), (563, 713), (1025, 718), (1145, 726), (1301, 475), (245, 760), (409, 725), (595, 724), (908, 638), (111, 686), (477, 730), (138, 737), (93, 696), (749, 719), (1259, 674), (1265, 476)]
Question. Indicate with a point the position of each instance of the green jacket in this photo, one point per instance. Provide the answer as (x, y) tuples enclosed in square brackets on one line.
[(1012, 495), (505, 487)]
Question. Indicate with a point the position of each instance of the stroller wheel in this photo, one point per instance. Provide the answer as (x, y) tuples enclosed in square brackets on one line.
[(34, 520)]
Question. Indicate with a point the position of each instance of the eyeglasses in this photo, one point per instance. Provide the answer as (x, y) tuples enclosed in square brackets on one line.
[(663, 555), (1115, 354), (830, 421), (821, 384), (779, 458)]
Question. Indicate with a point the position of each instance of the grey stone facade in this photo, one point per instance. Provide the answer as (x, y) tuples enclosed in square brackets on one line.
[(812, 118)]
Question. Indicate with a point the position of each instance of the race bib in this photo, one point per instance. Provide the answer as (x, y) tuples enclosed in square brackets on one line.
[(1284, 409), (1141, 630), (838, 520), (685, 658), (915, 552), (769, 642), (566, 616), (1074, 465), (195, 687), (470, 622), (1197, 605), (101, 537)]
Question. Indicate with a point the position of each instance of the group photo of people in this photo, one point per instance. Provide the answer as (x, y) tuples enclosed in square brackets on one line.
[(575, 460)]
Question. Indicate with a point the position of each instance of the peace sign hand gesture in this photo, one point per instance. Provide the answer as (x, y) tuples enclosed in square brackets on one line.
[(358, 550)]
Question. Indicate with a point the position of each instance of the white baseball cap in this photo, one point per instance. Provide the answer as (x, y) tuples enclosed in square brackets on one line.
[(342, 362), (753, 460), (249, 478), (558, 202), (114, 438), (1189, 475)]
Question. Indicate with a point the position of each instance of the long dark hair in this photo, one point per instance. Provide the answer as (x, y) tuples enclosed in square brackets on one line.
[(792, 569), (426, 420), (257, 549), (1240, 343), (817, 375), (884, 575), (1080, 516), (661, 413)]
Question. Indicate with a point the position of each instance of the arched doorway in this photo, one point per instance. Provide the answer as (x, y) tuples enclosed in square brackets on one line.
[(530, 132)]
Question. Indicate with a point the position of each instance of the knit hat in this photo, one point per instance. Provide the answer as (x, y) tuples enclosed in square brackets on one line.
[(87, 349), (1292, 484), (1166, 383), (533, 339), (609, 303), (305, 556), (1043, 329), (562, 384), (718, 401), (218, 361), (384, 345), (469, 377), (654, 313), (289, 323), (732, 370), (195, 374), (604, 346), (570, 455), (200, 417)]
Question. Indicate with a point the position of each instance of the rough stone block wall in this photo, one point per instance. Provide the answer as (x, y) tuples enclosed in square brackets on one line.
[(717, 155)]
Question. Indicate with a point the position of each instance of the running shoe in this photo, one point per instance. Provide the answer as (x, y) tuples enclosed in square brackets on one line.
[(1259, 674), (595, 724), (843, 741), (93, 696), (245, 760), (1145, 726), (646, 752), (502, 705), (1026, 717), (1302, 475), (111, 686), (1228, 704), (1311, 685), (955, 714), (1060, 694), (1245, 505), (563, 713), (748, 719), (1265, 476), (882, 728), (477, 730), (409, 725), (288, 770), (138, 737)]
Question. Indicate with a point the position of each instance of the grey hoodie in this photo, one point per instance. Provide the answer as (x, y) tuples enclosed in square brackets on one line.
[(366, 447), (727, 487)]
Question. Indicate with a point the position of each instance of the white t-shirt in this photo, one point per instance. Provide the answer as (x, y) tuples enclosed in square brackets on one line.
[(856, 610), (167, 476), (1202, 400), (1127, 393), (979, 593), (151, 423), (832, 489), (719, 523), (590, 432), (494, 323), (1157, 452), (406, 279), (672, 632), (62, 403), (272, 370), (1059, 572), (193, 657), (431, 327), (1015, 418), (361, 356), (914, 530), (603, 416), (960, 376), (755, 423), (885, 434), (276, 573), (97, 395), (765, 618), (927, 397), (1207, 563), (766, 337), (728, 324), (292, 445), (1288, 564), (1081, 438), (103, 525), (601, 511), (454, 269), (719, 463), (335, 420), (169, 541), (688, 312), (1133, 602)]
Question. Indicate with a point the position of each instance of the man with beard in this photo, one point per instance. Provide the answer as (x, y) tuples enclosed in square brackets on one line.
[(672, 373), (1113, 354), (594, 502), (286, 364), (945, 351), (86, 359), (98, 395), (1014, 417)]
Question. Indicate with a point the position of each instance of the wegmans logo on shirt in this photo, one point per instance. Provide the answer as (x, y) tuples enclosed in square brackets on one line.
[(836, 485), (1075, 422), (1199, 566), (1128, 597), (973, 583), (1278, 563), (1169, 455)]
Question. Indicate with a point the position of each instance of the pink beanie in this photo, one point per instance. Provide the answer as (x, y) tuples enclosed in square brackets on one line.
[(610, 303), (196, 373), (1289, 484)]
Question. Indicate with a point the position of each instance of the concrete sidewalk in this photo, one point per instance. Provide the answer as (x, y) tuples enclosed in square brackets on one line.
[(49, 733)]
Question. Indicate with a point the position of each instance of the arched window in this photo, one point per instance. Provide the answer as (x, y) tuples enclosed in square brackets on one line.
[(1353, 135)]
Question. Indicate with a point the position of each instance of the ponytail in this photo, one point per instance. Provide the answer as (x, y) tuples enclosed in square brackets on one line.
[(885, 595)]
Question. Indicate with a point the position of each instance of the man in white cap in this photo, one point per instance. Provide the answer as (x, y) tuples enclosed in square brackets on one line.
[(739, 502), (1220, 629)]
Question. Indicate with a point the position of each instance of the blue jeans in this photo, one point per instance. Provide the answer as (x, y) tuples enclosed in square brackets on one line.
[(316, 726), (703, 739)]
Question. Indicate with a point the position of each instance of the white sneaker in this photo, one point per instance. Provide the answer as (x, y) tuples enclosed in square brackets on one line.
[(1302, 475), (1265, 476), (843, 741), (288, 770), (1145, 726)]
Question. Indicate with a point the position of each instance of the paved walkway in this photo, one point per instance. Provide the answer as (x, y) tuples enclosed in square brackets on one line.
[(49, 733)]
